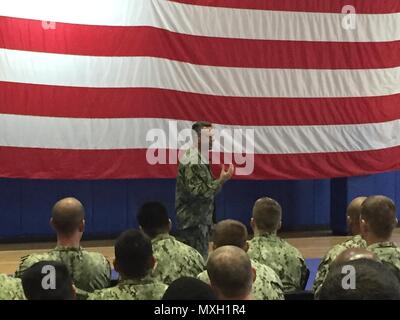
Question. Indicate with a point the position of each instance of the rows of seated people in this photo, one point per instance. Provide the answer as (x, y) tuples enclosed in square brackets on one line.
[(152, 264)]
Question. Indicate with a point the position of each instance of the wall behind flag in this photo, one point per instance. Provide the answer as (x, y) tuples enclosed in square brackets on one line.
[(111, 206)]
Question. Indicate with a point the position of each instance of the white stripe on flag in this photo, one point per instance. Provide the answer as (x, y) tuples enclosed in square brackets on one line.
[(146, 72), (94, 134), (209, 21)]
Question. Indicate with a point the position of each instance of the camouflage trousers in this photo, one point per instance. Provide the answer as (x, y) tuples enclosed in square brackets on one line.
[(197, 237)]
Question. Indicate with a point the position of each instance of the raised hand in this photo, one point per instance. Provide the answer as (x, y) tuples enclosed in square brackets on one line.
[(225, 175)]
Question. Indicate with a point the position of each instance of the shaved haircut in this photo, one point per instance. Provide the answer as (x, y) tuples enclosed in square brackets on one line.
[(229, 269), (230, 232), (354, 208), (267, 214), (379, 212), (67, 215)]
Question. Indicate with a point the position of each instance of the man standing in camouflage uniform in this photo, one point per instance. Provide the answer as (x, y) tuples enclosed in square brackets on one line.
[(267, 248), (174, 259), (353, 224), (267, 285), (196, 189), (134, 261), (378, 220), (11, 288), (89, 270)]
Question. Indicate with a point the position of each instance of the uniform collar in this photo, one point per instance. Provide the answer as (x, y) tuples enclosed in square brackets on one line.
[(195, 155), (130, 282), (266, 235), (162, 236), (386, 244), (62, 248)]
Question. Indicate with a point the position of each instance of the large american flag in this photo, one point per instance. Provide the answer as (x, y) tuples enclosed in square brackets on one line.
[(81, 82)]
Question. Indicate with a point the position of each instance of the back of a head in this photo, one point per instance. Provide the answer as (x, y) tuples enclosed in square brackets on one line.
[(48, 280), (153, 218), (352, 254), (379, 213), (267, 214), (361, 279), (67, 216), (353, 213), (133, 254), (230, 233), (187, 288), (230, 272)]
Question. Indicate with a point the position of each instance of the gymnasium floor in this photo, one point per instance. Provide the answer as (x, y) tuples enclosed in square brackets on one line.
[(311, 246)]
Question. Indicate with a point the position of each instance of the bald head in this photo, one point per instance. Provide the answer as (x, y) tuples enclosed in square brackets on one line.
[(378, 214), (67, 216), (230, 272), (267, 215), (372, 280), (230, 233), (355, 254), (353, 215)]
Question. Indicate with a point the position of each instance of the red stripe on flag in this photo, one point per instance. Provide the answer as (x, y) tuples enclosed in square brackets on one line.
[(121, 164), (153, 42), (329, 6), (54, 101)]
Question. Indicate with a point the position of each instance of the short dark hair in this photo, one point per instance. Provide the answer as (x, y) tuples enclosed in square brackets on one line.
[(188, 288), (267, 214), (373, 281), (230, 233), (199, 125), (229, 269), (153, 218), (133, 254), (67, 215), (33, 287), (380, 214)]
